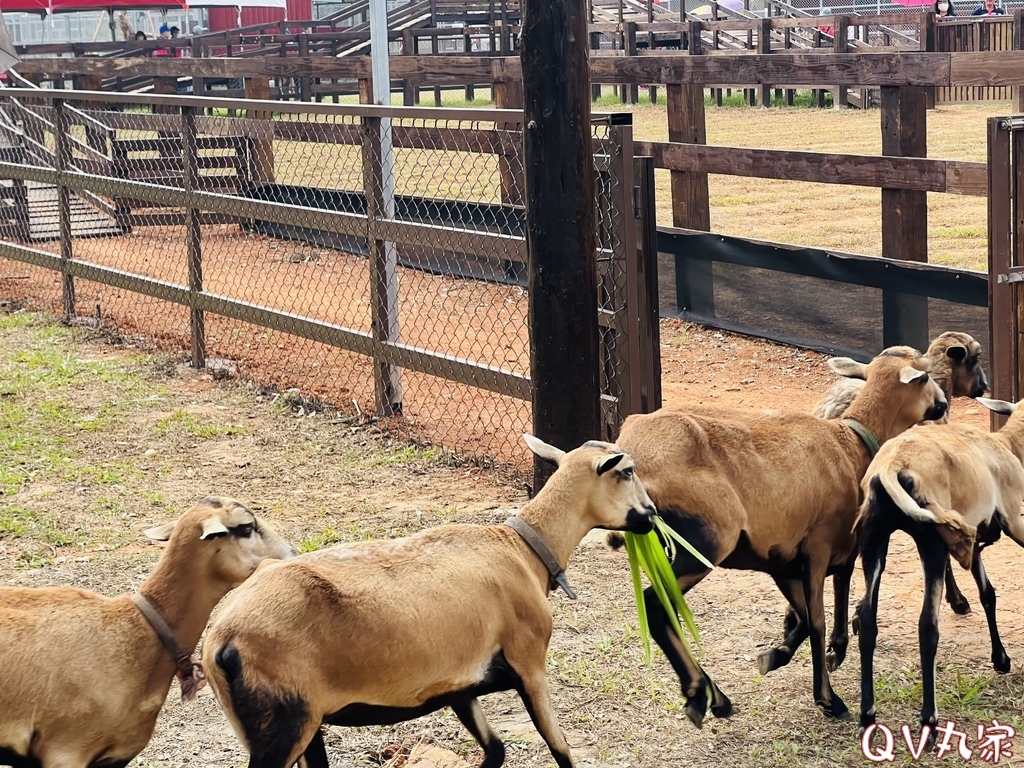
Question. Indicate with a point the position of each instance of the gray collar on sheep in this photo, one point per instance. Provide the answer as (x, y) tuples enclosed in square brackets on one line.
[(865, 436), (536, 543), (190, 670)]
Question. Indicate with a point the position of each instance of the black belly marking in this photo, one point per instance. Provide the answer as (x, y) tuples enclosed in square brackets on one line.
[(499, 677)]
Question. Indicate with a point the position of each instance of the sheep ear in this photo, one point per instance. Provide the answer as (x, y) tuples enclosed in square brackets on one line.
[(999, 406), (160, 532), (543, 450), (909, 373), (957, 352), (609, 462), (851, 369), (213, 527)]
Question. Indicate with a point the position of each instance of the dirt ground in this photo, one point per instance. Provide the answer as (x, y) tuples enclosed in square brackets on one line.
[(101, 440)]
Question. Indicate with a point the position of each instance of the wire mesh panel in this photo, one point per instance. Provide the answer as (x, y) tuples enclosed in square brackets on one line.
[(373, 258)]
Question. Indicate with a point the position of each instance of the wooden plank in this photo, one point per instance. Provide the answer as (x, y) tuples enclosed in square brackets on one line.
[(922, 174), (789, 69)]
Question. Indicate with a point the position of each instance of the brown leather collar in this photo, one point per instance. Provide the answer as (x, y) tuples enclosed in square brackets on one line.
[(536, 543), (189, 670)]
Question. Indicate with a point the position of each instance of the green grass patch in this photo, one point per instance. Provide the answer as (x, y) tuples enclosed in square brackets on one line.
[(182, 421)]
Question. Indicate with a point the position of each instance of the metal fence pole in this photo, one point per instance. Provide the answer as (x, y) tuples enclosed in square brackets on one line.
[(190, 155), (62, 160)]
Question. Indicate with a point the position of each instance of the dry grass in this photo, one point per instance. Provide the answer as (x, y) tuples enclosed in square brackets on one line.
[(844, 218)]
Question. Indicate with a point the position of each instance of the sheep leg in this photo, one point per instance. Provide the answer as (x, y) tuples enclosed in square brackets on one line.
[(533, 690), (954, 596), (987, 592), (814, 595), (471, 715), (934, 556), (315, 755), (873, 558), (839, 641), (781, 655), (695, 682)]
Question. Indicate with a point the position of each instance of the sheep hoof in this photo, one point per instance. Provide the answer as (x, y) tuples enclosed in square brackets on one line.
[(724, 709), (960, 605), (855, 623), (695, 715), (766, 661), (1001, 664), (834, 657), (836, 710)]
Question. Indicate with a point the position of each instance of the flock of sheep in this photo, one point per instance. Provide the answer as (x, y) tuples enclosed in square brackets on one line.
[(384, 631)]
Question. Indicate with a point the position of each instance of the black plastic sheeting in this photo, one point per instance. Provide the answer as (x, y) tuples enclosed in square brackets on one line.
[(808, 297)]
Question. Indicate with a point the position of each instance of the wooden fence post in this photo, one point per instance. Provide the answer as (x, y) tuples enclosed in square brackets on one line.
[(560, 225), (1003, 301), (62, 159), (764, 46), (904, 212), (198, 83), (508, 94), (631, 92), (383, 262), (926, 42), (410, 93), (1018, 45), (305, 81), (595, 45), (193, 237), (261, 149), (690, 206), (841, 44)]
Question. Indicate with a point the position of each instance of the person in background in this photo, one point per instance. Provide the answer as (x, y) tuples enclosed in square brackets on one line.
[(140, 35), (165, 34), (943, 9), (988, 8)]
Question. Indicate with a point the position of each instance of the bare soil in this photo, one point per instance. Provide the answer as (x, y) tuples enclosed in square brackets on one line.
[(109, 440)]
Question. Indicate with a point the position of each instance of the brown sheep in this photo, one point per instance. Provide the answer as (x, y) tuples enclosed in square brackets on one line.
[(775, 492), (380, 632), (954, 488), (85, 676)]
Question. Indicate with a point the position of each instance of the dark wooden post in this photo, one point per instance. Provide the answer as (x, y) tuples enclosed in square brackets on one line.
[(62, 130), (410, 93), (595, 45), (904, 212), (841, 44), (261, 161), (193, 237), (764, 46), (198, 83), (437, 88), (690, 208), (926, 42), (560, 225), (1018, 45), (1003, 296), (93, 137), (508, 94), (467, 47), (631, 92), (305, 81), (387, 377)]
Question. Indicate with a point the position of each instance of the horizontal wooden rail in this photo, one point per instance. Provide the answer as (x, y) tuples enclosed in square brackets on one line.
[(921, 174), (1002, 68)]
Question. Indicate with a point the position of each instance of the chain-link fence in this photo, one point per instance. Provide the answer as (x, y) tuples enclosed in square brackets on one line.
[(372, 258)]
